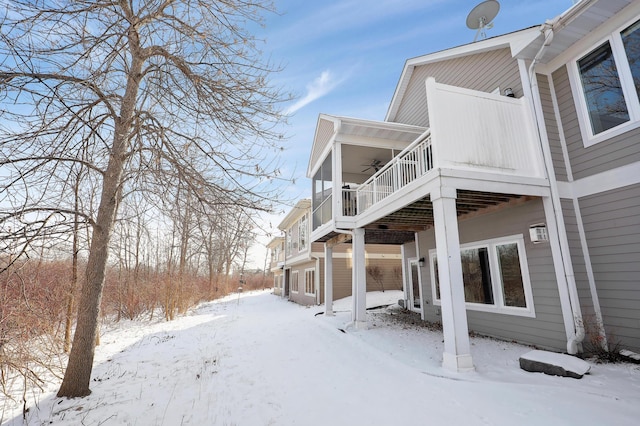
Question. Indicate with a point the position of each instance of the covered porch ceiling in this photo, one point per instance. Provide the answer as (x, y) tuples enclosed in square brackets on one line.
[(400, 226)]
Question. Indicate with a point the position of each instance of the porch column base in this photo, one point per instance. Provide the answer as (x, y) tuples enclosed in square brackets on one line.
[(361, 325), (457, 363)]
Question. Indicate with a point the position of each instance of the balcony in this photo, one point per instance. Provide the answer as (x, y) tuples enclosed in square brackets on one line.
[(480, 141), (497, 137)]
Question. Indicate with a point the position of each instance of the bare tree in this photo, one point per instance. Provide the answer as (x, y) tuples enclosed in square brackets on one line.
[(146, 86), (377, 274)]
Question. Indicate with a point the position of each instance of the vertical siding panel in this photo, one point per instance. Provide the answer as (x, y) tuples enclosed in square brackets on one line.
[(612, 227)]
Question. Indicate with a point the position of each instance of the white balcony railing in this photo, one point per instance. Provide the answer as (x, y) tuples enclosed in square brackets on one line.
[(475, 131), (413, 162)]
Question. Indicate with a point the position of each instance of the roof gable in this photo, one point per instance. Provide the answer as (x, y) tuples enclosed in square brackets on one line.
[(511, 40)]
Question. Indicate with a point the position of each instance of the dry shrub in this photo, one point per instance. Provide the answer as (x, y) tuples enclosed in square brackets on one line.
[(32, 314), (33, 308)]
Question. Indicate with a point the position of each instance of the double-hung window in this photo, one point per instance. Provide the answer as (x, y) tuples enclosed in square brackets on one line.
[(294, 282), (495, 276), (288, 242), (310, 282), (303, 231), (606, 83)]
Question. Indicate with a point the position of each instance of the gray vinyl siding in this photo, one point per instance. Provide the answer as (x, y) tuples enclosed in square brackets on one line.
[(551, 127), (484, 72), (546, 330), (606, 155), (612, 227)]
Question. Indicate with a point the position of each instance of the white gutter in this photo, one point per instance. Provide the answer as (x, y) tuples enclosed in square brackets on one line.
[(574, 304)]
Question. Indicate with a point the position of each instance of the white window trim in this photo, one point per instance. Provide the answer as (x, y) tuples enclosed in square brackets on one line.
[(303, 229), (313, 284), (288, 248), (297, 280), (498, 306), (626, 81)]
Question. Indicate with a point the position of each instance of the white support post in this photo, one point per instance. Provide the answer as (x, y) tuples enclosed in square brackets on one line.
[(328, 280), (359, 282), (282, 283), (405, 274), (564, 277), (457, 354)]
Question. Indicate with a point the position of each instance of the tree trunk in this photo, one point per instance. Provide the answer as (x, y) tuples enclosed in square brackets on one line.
[(78, 373)]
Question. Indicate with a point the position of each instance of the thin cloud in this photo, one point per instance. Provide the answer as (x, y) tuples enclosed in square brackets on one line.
[(319, 87)]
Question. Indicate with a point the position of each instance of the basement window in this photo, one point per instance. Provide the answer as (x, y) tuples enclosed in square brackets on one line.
[(310, 282), (495, 276)]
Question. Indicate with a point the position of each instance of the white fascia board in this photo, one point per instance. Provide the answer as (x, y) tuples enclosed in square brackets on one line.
[(592, 39), (275, 241), (298, 259), (601, 182), (370, 142), (321, 231), (494, 182), (382, 125), (312, 168)]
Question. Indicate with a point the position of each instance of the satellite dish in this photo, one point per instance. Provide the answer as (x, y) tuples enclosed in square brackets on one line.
[(481, 17)]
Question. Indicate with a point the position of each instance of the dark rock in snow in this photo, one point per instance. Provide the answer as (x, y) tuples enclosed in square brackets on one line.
[(554, 364), (627, 355)]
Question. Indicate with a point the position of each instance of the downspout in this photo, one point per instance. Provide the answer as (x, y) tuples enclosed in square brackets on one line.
[(572, 344)]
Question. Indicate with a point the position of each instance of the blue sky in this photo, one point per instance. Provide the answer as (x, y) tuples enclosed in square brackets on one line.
[(345, 57)]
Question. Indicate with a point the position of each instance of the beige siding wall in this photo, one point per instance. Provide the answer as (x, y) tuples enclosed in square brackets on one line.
[(387, 257), (547, 328), (484, 72), (615, 152), (300, 296)]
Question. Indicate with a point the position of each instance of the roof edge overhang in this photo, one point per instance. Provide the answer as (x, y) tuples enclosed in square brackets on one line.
[(275, 241), (509, 40), (340, 122), (301, 207), (560, 22)]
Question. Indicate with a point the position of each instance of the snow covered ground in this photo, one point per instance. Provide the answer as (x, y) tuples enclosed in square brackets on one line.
[(256, 359)]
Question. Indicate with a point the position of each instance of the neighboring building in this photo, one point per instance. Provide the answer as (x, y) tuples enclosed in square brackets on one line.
[(276, 263), (298, 264), (509, 170)]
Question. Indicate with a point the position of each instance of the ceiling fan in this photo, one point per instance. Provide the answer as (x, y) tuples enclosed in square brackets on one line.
[(375, 165)]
